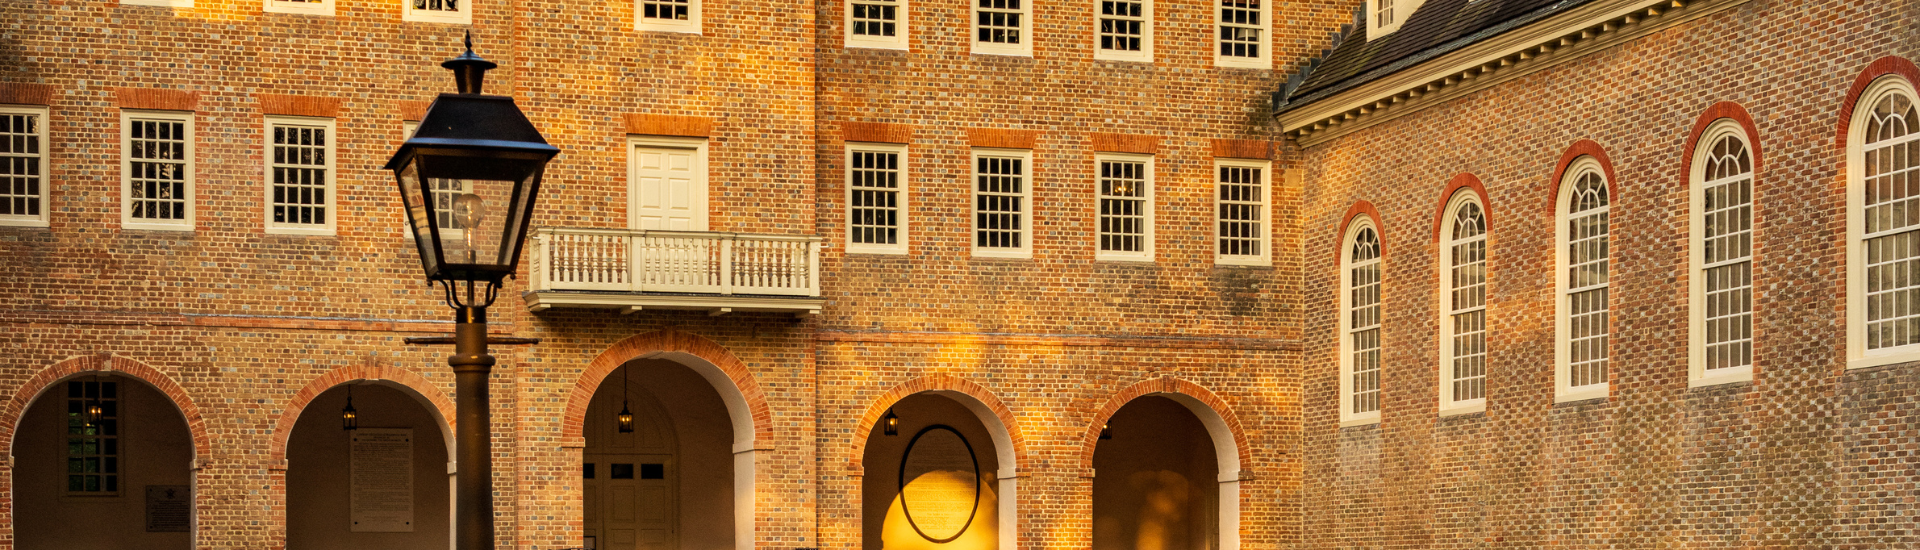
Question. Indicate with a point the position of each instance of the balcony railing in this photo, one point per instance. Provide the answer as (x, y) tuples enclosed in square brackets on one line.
[(633, 269)]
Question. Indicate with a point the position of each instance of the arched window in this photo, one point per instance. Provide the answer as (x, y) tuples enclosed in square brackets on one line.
[(1883, 226), (1463, 305), (1722, 256), (1581, 323), (1360, 325)]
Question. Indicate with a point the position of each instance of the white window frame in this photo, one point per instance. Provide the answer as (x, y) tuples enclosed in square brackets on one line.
[(46, 179), (1265, 257), (1448, 405), (159, 3), (903, 205), (1696, 258), (461, 16), (1023, 49), (1562, 281), (1146, 35), (1344, 330), (702, 220), (323, 7), (332, 203), (1264, 60), (1858, 356), (1025, 250), (899, 40), (127, 221), (1147, 200), (690, 26)]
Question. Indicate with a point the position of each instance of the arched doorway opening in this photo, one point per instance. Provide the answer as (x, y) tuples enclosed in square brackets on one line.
[(1153, 485), (940, 478), (119, 479), (383, 486), (680, 477)]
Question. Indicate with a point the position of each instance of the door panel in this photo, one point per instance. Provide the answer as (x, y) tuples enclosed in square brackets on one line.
[(669, 190)]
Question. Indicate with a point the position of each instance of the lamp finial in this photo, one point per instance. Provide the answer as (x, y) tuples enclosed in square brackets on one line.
[(469, 70)]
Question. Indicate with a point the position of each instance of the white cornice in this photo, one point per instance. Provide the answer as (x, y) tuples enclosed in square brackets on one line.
[(1546, 43)]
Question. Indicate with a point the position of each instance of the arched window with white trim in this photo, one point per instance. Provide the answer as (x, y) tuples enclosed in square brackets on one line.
[(1722, 257), (1883, 226), (1463, 305), (1360, 325), (1581, 315)]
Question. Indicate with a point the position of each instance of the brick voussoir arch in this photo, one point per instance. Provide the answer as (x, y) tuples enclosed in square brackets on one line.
[(1163, 385), (283, 428), (666, 341), (936, 382), (1462, 180), (106, 363), (1889, 65)]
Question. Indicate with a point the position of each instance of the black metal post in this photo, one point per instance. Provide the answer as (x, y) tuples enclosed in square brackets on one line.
[(473, 488)]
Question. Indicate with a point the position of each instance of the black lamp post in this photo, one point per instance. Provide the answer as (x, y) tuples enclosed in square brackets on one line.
[(468, 179)]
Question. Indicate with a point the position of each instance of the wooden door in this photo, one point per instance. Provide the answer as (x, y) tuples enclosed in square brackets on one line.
[(630, 496), (669, 189)]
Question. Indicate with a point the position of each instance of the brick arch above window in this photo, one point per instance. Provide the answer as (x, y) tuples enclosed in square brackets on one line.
[(1890, 65), (1582, 148), (1359, 208), (33, 387), (1723, 110), (1463, 180)]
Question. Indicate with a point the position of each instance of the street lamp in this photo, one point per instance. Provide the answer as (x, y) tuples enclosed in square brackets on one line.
[(468, 179)]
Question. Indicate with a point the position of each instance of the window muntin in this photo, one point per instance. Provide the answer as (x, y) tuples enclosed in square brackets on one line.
[(1240, 212), (1123, 30), (1000, 27), (1243, 34), (1883, 227), (23, 166), (458, 12), (1124, 213), (1583, 330), (667, 15), (1360, 327), (309, 7), (1724, 200), (1383, 14), (93, 449), (877, 199), (1001, 203), (156, 168), (300, 175), (1463, 337), (877, 24)]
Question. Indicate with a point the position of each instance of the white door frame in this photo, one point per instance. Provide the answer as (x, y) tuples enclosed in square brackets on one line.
[(700, 192)]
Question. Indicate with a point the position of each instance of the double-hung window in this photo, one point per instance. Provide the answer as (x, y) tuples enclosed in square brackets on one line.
[(1002, 27), (877, 24), (1123, 30), (23, 166), (1360, 324), (1240, 207), (1722, 257), (1883, 226), (156, 170), (1002, 203), (459, 12), (1243, 35), (1463, 302), (93, 465), (1124, 218), (299, 178), (667, 16), (876, 198), (1581, 324)]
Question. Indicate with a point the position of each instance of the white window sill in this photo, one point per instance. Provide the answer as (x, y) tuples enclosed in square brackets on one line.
[(281, 230), (22, 223), (1370, 418), (430, 16), (325, 8), (1003, 253), (1130, 57), (157, 226), (1904, 354), (1464, 408), (1244, 261), (872, 44), (1583, 393), (1130, 258), (1243, 62), (160, 3), (1722, 377), (980, 49), (877, 250), (664, 27)]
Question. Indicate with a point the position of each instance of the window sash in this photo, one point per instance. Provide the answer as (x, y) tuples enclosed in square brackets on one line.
[(1363, 334), (874, 18), (158, 158), (299, 169), (1000, 202), (999, 22), (23, 167), (93, 459), (1726, 269), (1242, 29), (875, 211), (1123, 25), (1125, 214), (1586, 297), (1239, 214)]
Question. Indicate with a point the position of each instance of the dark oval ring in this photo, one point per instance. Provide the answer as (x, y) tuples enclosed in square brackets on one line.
[(908, 511)]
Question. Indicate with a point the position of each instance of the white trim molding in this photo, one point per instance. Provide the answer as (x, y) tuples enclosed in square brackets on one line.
[(681, 16), (1143, 31), (1350, 415), (900, 39), (1118, 189), (1593, 243), (874, 178), (281, 173), (1018, 37), (24, 148), (1261, 45), (701, 169), (1558, 39), (1251, 212), (164, 206), (1698, 264), (1900, 313), (1458, 286), (1013, 166), (307, 7)]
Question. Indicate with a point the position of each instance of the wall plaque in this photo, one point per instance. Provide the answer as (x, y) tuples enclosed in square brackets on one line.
[(169, 508), (939, 483), (382, 480)]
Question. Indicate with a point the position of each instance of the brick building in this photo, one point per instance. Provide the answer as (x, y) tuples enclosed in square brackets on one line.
[(1276, 287)]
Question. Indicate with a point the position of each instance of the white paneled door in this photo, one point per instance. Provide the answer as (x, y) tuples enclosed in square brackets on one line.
[(669, 189)]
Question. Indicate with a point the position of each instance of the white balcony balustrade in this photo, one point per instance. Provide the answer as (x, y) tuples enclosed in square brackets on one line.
[(634, 269)]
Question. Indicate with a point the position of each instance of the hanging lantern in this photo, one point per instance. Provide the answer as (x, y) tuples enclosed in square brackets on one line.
[(1106, 432), (95, 413), (890, 424), (349, 418), (625, 418)]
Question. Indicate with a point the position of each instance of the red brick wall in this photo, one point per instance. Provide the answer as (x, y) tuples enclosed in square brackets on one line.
[(1797, 458)]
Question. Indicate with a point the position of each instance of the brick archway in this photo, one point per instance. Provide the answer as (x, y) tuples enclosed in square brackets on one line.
[(46, 378), (681, 347), (436, 401), (937, 383), (1168, 385)]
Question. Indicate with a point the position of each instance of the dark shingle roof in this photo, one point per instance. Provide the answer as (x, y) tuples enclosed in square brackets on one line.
[(1438, 27)]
